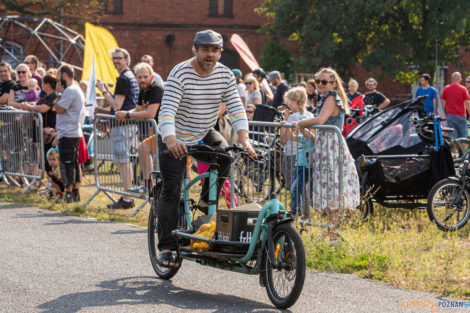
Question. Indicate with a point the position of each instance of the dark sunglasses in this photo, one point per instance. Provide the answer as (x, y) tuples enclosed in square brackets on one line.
[(248, 83), (21, 72), (323, 82), (117, 58), (250, 111)]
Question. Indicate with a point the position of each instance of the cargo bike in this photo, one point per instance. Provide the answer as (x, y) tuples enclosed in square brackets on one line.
[(394, 156), (263, 242)]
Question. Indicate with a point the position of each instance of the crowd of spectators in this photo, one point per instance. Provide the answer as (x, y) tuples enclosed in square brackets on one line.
[(138, 92)]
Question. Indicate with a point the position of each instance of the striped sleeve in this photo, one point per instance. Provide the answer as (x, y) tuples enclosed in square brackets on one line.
[(170, 102), (234, 105)]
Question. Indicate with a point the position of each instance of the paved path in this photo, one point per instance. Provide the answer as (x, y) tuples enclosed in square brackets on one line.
[(55, 263)]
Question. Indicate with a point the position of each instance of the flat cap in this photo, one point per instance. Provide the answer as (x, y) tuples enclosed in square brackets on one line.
[(274, 74), (208, 38)]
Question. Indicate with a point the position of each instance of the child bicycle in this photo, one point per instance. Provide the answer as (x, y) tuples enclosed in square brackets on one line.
[(276, 250)]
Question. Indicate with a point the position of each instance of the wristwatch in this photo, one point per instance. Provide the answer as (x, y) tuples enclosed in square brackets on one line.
[(128, 116)]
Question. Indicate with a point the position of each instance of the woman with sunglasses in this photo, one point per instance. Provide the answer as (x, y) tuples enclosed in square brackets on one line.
[(326, 157), (250, 111), (253, 96), (18, 91)]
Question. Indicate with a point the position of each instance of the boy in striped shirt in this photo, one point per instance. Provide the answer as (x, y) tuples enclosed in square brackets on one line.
[(189, 110)]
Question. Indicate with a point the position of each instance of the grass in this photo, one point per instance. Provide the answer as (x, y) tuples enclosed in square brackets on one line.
[(396, 246), (400, 247)]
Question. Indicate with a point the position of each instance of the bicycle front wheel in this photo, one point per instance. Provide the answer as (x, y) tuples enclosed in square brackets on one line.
[(448, 205), (285, 284), (152, 237)]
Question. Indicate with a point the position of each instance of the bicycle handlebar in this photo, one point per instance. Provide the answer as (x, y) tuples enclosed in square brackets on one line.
[(203, 148)]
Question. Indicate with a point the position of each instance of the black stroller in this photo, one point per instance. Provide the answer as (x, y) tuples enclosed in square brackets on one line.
[(393, 153)]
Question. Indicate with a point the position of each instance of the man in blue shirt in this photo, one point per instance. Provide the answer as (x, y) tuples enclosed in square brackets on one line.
[(425, 90)]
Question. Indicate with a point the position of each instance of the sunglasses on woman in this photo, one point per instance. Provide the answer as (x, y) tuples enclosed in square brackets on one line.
[(250, 111), (248, 83), (21, 72), (323, 82)]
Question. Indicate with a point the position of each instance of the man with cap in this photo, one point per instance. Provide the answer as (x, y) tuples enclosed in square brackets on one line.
[(193, 93), (260, 75), (281, 88), (240, 85)]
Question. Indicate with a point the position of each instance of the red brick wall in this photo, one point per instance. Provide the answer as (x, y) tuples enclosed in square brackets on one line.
[(142, 28)]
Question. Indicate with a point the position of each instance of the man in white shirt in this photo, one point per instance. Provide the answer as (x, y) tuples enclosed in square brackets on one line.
[(70, 111)]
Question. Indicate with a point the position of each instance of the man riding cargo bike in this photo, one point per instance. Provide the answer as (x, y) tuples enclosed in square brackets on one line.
[(193, 93)]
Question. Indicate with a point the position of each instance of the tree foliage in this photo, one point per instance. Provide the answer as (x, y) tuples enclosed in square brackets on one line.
[(72, 13), (276, 58), (392, 34)]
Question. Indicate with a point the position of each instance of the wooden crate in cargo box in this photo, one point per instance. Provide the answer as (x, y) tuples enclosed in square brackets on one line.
[(236, 224)]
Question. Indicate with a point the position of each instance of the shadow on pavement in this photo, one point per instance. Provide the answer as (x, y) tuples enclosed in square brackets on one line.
[(129, 231), (12, 206), (65, 219), (151, 291)]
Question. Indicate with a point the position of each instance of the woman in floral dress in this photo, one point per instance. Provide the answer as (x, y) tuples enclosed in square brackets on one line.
[(331, 156)]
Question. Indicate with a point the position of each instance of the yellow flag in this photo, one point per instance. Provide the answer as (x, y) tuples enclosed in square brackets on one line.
[(98, 43)]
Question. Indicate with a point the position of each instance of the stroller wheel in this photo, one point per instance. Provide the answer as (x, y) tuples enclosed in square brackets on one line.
[(367, 208)]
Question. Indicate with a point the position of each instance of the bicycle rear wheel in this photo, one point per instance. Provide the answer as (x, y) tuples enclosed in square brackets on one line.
[(285, 284), (152, 236), (448, 205)]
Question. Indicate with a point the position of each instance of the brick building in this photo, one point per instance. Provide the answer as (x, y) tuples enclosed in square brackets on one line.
[(165, 29)]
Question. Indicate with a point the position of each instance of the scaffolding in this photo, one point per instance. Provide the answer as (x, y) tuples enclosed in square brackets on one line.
[(52, 42)]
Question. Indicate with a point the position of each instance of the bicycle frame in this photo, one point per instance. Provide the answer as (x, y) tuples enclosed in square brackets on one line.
[(237, 264)]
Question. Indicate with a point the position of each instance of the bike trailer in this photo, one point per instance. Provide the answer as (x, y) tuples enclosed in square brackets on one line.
[(398, 158), (236, 224), (388, 132)]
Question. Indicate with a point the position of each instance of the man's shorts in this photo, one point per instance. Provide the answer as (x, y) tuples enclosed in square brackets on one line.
[(459, 124), (122, 140)]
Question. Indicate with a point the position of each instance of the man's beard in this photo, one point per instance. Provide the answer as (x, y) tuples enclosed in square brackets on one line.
[(145, 86), (204, 66)]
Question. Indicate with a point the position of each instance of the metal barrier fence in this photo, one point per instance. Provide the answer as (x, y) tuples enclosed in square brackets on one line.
[(307, 185), (124, 153), (21, 148)]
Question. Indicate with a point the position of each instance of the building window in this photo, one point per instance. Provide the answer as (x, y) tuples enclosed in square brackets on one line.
[(228, 8), (117, 7), (221, 8), (111, 7)]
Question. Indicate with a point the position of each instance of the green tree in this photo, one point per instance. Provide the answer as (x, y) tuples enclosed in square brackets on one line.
[(392, 34), (276, 58)]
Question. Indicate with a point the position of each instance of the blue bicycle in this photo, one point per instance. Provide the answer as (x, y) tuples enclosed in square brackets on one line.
[(276, 250)]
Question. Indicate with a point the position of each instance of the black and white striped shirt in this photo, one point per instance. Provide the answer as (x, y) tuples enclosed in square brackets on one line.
[(190, 103)]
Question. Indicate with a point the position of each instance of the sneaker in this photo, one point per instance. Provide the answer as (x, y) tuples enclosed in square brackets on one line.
[(121, 204), (75, 195), (68, 197), (141, 189)]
